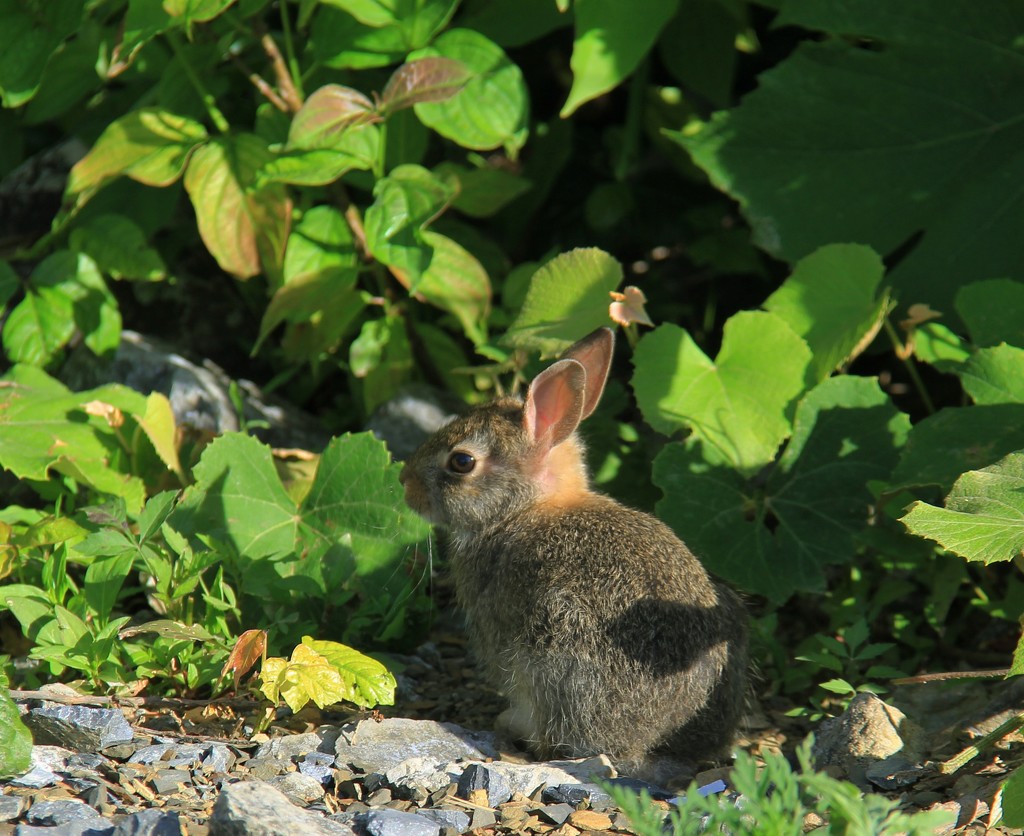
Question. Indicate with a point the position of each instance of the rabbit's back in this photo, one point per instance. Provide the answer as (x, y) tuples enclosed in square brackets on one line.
[(599, 622)]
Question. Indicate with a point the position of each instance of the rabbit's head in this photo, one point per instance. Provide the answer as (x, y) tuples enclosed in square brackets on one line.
[(509, 454)]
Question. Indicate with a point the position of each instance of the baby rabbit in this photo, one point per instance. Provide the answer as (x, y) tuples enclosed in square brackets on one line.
[(597, 622)]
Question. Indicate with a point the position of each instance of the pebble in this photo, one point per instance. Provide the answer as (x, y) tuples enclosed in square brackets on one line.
[(78, 727), (394, 823), (300, 789), (253, 808), (150, 822), (590, 820), (372, 746), (482, 786)]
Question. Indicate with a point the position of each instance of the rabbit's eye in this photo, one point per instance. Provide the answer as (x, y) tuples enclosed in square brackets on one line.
[(459, 462)]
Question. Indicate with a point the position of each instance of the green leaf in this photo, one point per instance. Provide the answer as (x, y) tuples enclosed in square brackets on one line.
[(935, 344), (9, 284), (778, 537), (319, 294), (1013, 799), (611, 39), (990, 311), (307, 676), (736, 405), (370, 12), (103, 581), (485, 190), (40, 325), (196, 11), (568, 298), (244, 227), (119, 248), (45, 426), (431, 79), (341, 42), (1017, 666), (984, 515), (405, 202), (838, 686), (492, 109), (170, 630), (29, 604), (832, 301), (327, 116), (957, 439), (29, 36), (920, 132), (370, 683), (456, 282), (319, 168), (148, 145), (15, 738), (155, 513), (356, 500), (238, 498), (994, 375)]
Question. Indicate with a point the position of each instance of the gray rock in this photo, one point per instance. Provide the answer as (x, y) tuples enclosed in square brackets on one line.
[(263, 769), (557, 813), (370, 746), (86, 827), (482, 819), (409, 418), (395, 823), (78, 727), (11, 807), (167, 781), (867, 732), (149, 823), (525, 778), (895, 772), (252, 808), (295, 746), (187, 755), (452, 819), (417, 773), (319, 766), (478, 778), (300, 789), (576, 794), (219, 758), (59, 812)]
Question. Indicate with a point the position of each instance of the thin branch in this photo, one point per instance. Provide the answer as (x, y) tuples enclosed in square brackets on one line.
[(963, 758), (999, 673), (136, 702), (284, 78)]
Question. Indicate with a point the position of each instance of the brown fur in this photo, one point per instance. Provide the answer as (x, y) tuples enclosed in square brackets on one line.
[(603, 629)]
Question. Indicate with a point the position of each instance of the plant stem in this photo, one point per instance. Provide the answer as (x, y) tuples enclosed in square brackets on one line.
[(382, 150), (967, 755), (220, 122), (294, 70), (634, 120), (909, 364)]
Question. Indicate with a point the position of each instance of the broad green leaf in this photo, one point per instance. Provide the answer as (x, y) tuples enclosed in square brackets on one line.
[(155, 513), (370, 683), (306, 676), (938, 346), (736, 404), (392, 369), (149, 145), (71, 75), (320, 274), (567, 299), (15, 738), (119, 248), (94, 307), (994, 375), (492, 109), (319, 168), (983, 518), (367, 349), (832, 301), (1013, 799), (920, 132), (456, 282), (612, 38), (243, 226), (157, 422), (356, 500), (30, 34), (29, 604), (405, 202), (374, 13), (40, 325), (326, 116), (143, 21), (238, 498), (483, 191), (1017, 666), (341, 42), (957, 439), (103, 581), (991, 311), (777, 538), (44, 426), (432, 79)]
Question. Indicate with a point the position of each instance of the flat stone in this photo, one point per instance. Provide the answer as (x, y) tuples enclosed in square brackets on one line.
[(265, 768), (417, 773), (78, 727), (376, 747), (59, 812), (47, 761), (295, 746), (455, 820), (590, 820), (187, 755), (481, 819), (253, 808), (151, 822), (168, 781), (526, 778), (86, 827), (577, 794), (394, 823), (300, 789), (318, 766), (11, 807), (557, 814), (219, 758)]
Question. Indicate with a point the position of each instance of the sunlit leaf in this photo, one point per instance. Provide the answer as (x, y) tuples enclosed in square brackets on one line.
[(431, 79)]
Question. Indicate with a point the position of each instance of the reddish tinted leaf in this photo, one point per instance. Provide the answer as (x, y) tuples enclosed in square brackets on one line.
[(248, 650), (431, 79), (245, 228), (325, 115)]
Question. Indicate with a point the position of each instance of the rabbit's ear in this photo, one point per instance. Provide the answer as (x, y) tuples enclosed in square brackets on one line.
[(554, 404), (594, 353)]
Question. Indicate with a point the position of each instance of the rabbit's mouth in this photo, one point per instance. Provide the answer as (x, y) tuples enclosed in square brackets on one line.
[(416, 496)]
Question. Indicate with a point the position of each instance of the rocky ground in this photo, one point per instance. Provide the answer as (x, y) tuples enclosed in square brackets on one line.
[(157, 770)]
